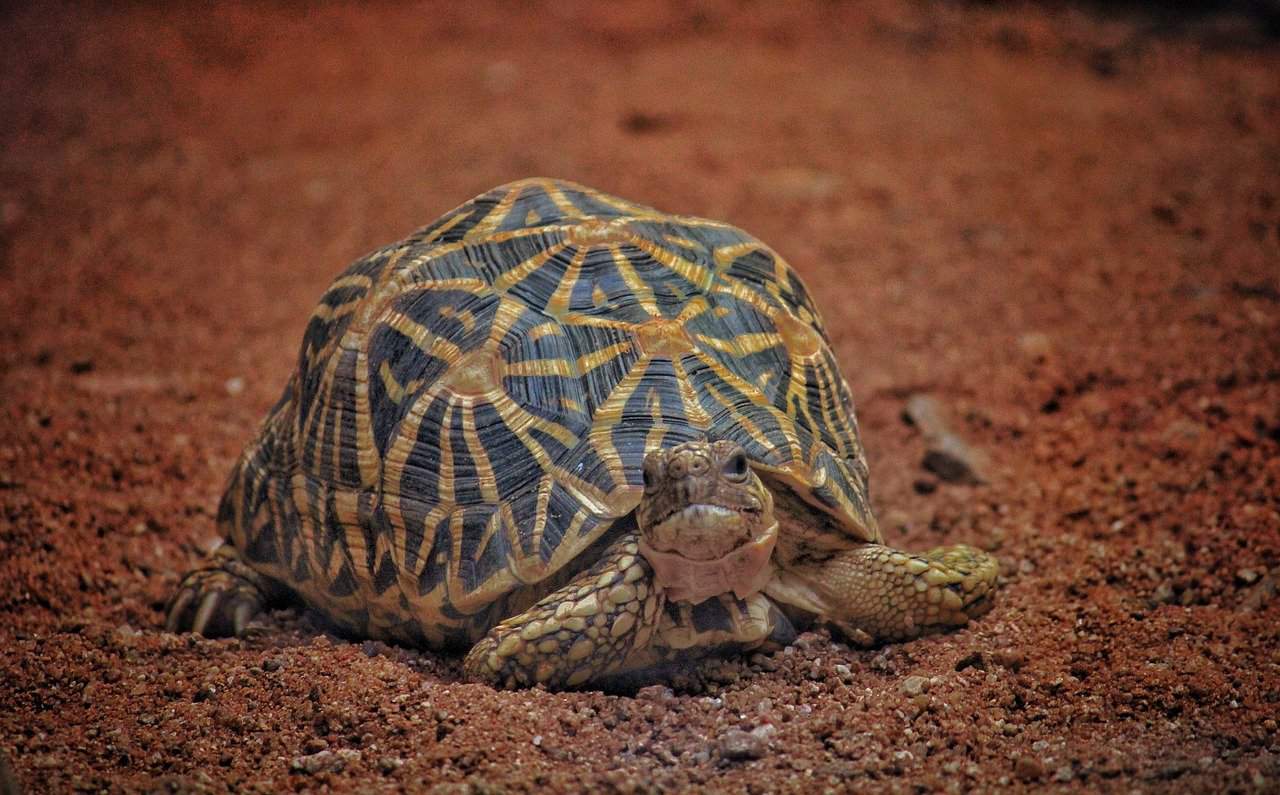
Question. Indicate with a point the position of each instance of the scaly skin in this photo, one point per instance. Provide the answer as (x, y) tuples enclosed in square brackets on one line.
[(874, 593), (583, 631)]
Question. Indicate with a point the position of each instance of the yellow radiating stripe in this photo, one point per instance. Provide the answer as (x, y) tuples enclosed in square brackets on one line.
[(444, 478), (743, 344), (637, 211), (559, 300), (597, 321), (336, 453), (697, 306), (417, 333), (390, 384), (561, 201), (490, 528), (699, 276), (504, 318), (540, 367), (784, 421), (677, 240), (795, 396), (326, 312), (490, 222), (518, 273), (609, 414), (542, 516), (426, 549), (653, 439), (547, 329), (366, 450), (750, 427), (724, 255), (321, 404), (748, 296), (695, 222), (831, 412), (483, 466), (517, 419), (459, 216), (349, 280), (464, 316), (637, 285), (590, 361), (689, 398)]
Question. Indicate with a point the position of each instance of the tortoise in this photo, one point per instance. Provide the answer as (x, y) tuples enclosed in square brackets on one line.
[(577, 436)]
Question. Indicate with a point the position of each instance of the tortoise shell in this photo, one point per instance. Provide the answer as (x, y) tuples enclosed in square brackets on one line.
[(472, 406)]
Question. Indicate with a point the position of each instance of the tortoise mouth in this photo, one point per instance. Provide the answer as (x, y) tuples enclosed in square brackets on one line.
[(704, 531)]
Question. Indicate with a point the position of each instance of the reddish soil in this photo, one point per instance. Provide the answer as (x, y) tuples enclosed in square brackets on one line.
[(1064, 228)]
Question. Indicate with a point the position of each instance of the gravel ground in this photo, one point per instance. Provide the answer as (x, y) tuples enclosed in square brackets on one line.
[(1060, 228)]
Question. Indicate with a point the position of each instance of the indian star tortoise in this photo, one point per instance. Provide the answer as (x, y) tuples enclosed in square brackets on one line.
[(577, 436)]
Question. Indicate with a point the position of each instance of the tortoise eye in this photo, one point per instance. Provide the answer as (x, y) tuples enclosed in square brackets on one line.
[(736, 467)]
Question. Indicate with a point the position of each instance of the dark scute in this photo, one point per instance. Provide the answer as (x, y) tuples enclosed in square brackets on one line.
[(600, 381), (385, 575), (301, 567), (420, 476), (345, 583), (436, 566), (515, 470), (756, 267), (262, 544)]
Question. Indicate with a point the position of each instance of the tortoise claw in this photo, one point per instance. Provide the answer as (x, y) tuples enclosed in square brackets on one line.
[(177, 607), (214, 602), (205, 613), (240, 617)]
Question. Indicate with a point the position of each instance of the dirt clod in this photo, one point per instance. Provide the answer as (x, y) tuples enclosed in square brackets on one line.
[(736, 744)]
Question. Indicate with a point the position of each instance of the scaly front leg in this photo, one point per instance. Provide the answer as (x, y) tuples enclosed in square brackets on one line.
[(583, 631), (874, 593)]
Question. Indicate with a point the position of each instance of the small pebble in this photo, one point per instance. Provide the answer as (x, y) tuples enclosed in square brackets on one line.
[(234, 386), (316, 763), (1028, 768), (315, 745), (914, 685), (738, 745), (390, 764)]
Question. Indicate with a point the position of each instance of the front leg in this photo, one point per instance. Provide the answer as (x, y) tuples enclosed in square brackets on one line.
[(583, 631), (874, 593)]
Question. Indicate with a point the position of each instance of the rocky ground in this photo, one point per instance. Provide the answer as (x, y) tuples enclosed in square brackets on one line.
[(1062, 227)]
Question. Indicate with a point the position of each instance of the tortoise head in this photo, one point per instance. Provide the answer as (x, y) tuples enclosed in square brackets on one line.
[(706, 521)]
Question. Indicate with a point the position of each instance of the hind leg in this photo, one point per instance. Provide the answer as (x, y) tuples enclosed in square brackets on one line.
[(219, 598)]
